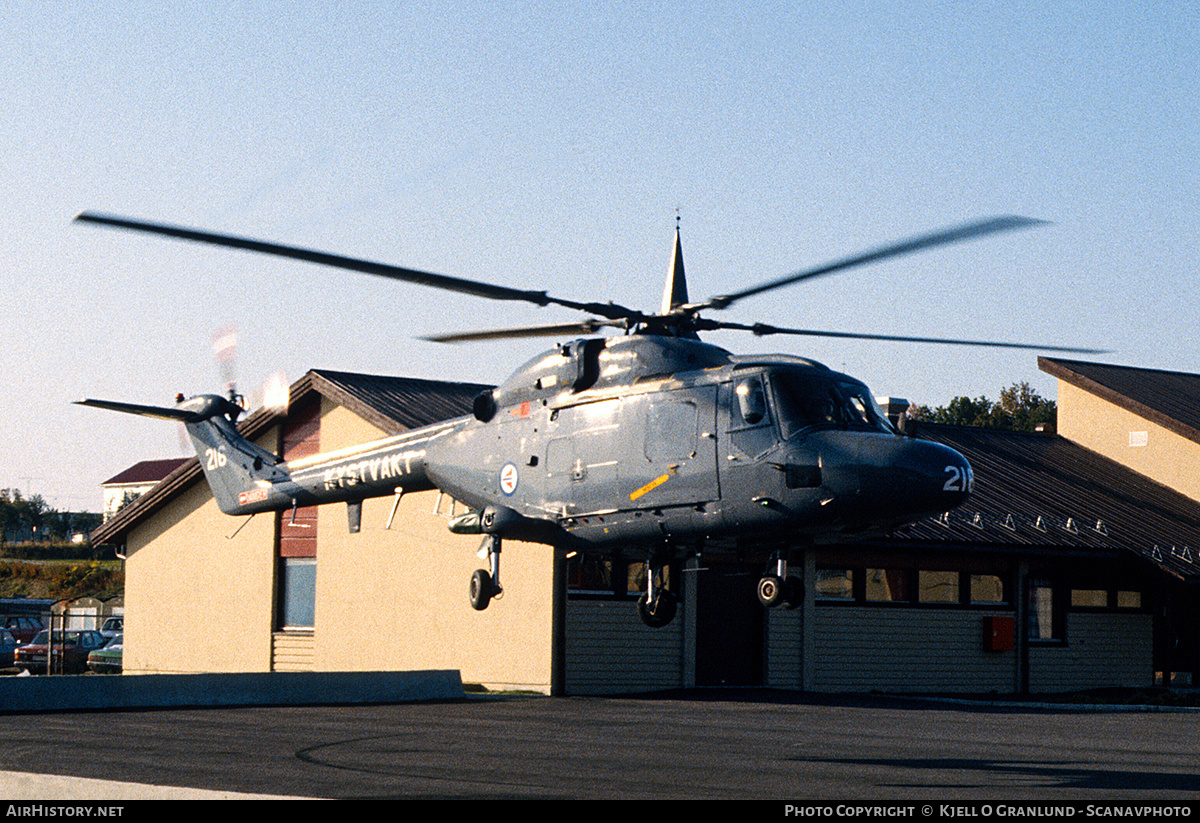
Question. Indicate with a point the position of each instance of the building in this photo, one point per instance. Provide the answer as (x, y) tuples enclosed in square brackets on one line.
[(1065, 570), (125, 487), (1146, 419)]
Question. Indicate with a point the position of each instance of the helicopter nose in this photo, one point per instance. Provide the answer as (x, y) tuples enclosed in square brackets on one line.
[(921, 479), (947, 476), (904, 480)]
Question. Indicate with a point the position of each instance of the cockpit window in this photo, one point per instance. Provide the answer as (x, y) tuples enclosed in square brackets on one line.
[(865, 411), (813, 401), (751, 401)]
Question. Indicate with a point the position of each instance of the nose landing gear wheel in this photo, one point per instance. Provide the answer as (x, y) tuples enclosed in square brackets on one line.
[(658, 611)]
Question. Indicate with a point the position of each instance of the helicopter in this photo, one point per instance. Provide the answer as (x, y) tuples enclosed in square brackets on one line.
[(650, 441)]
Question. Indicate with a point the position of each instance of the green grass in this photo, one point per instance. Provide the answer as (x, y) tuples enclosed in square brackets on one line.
[(61, 579)]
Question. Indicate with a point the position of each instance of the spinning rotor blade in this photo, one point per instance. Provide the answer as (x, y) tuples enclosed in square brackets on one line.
[(551, 330), (183, 415), (437, 281), (760, 329), (966, 231), (679, 319)]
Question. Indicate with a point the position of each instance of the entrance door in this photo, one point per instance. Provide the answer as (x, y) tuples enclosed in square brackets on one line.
[(729, 628)]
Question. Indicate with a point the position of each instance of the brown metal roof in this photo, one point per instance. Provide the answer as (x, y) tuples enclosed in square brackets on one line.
[(394, 404), (1043, 492), (148, 471), (1170, 399)]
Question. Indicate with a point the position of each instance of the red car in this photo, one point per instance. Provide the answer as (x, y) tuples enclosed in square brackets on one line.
[(22, 626), (71, 650)]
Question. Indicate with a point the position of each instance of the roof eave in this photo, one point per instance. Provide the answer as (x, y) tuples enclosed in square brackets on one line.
[(1061, 370)]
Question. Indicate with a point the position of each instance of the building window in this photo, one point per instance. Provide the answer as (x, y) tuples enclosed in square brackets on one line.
[(987, 589), (1129, 600), (834, 584), (889, 586), (1089, 599), (937, 586), (1105, 600), (590, 574), (1045, 620), (297, 592), (635, 577)]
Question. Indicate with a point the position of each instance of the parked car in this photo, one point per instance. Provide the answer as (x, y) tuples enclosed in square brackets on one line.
[(108, 659), (71, 649), (22, 626), (112, 627), (8, 645)]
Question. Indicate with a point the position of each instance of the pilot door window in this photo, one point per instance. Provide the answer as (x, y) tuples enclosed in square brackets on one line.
[(749, 417), (751, 406), (805, 403)]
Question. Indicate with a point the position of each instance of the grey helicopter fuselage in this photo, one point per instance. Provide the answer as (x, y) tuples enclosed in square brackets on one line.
[(657, 438), (614, 442)]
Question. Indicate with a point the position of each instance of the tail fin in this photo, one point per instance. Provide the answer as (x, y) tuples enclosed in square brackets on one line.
[(241, 474)]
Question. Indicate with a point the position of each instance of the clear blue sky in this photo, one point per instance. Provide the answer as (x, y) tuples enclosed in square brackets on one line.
[(547, 145)]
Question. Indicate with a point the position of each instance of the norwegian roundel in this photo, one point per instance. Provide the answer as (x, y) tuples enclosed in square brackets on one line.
[(509, 478)]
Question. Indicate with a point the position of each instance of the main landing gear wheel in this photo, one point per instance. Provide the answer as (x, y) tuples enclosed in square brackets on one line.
[(777, 587), (658, 611), (481, 590), (772, 591)]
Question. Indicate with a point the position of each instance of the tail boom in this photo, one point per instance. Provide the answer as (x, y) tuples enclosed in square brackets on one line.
[(246, 478)]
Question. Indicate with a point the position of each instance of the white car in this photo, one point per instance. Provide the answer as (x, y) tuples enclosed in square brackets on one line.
[(112, 627)]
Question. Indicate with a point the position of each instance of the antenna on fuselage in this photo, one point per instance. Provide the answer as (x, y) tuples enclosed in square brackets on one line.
[(675, 291)]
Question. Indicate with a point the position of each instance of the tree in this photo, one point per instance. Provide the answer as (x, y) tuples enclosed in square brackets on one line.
[(31, 519), (1020, 408)]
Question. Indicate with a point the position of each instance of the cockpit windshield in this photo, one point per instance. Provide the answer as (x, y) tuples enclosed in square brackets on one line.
[(808, 401)]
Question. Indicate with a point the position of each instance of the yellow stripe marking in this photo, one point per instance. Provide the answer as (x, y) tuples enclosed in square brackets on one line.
[(651, 486)]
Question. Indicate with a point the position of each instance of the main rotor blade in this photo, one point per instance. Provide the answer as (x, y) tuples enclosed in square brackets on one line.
[(956, 234), (423, 278), (760, 329), (183, 415), (550, 330)]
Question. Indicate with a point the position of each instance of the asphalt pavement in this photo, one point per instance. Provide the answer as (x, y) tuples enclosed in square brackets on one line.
[(694, 745)]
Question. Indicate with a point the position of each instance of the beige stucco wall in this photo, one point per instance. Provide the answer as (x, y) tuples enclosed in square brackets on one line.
[(397, 599), (1103, 427), (197, 601)]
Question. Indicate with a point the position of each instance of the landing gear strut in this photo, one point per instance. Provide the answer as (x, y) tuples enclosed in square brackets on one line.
[(776, 588), (484, 586), (657, 604)]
